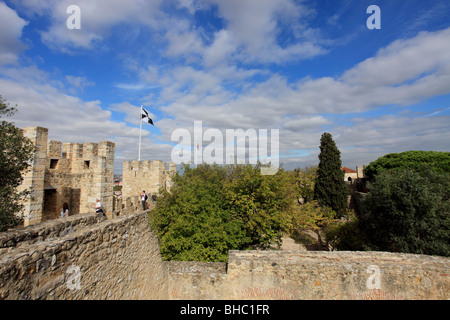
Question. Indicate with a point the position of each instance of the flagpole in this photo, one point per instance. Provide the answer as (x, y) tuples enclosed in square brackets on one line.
[(140, 129)]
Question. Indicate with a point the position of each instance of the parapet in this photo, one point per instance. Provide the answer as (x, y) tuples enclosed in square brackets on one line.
[(146, 175), (146, 165), (80, 151)]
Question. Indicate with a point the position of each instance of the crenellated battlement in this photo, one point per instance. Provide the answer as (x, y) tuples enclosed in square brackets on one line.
[(147, 175), (72, 173), (78, 173)]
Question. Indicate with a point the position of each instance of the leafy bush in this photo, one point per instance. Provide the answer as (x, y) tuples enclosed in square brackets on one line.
[(192, 221), (312, 216), (408, 211), (213, 209), (305, 181), (344, 234), (264, 203)]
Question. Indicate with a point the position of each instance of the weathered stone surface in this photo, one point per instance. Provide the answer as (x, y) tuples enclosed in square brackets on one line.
[(337, 275), (88, 257), (70, 173), (85, 264), (313, 275)]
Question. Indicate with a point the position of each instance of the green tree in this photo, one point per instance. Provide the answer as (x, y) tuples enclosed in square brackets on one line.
[(330, 188), (17, 152), (408, 211), (212, 209), (312, 216), (416, 160), (306, 179), (344, 234), (264, 203), (192, 221)]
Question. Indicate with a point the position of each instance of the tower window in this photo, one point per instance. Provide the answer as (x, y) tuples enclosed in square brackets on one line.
[(53, 163)]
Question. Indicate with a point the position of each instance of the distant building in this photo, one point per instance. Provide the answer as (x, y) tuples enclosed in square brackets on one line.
[(351, 175)]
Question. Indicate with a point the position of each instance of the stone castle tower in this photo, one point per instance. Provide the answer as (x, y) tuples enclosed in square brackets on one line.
[(147, 175), (71, 173)]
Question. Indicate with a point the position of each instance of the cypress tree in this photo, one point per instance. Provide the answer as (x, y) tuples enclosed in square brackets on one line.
[(330, 188)]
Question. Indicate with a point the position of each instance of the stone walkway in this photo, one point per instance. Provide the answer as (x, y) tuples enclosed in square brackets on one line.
[(290, 244)]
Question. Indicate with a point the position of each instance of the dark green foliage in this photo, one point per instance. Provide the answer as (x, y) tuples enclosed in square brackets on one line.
[(417, 160), (330, 188), (344, 235), (16, 153), (408, 211)]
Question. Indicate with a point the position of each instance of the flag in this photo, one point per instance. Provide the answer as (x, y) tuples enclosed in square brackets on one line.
[(146, 116)]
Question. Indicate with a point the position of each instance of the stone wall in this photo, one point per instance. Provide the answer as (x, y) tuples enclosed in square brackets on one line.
[(90, 257), (287, 275), (83, 257)]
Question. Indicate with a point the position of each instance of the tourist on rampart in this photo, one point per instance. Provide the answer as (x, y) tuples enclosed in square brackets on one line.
[(98, 207), (144, 198), (65, 210)]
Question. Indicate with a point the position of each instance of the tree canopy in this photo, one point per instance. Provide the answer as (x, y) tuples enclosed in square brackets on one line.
[(407, 210), (415, 160), (305, 180), (17, 152), (212, 209)]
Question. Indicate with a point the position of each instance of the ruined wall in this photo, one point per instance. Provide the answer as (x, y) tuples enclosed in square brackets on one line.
[(70, 173), (83, 257), (290, 275)]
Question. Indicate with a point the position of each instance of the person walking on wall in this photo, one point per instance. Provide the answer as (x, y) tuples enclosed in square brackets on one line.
[(65, 210), (144, 198)]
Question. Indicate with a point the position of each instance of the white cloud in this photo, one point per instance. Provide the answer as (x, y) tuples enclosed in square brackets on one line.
[(182, 41), (297, 109), (68, 118), (11, 26), (403, 60), (206, 79), (77, 83), (97, 19), (253, 28), (251, 32)]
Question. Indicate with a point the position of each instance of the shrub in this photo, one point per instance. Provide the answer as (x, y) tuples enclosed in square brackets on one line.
[(408, 211)]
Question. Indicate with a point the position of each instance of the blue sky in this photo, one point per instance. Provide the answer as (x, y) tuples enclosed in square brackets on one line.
[(303, 67)]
